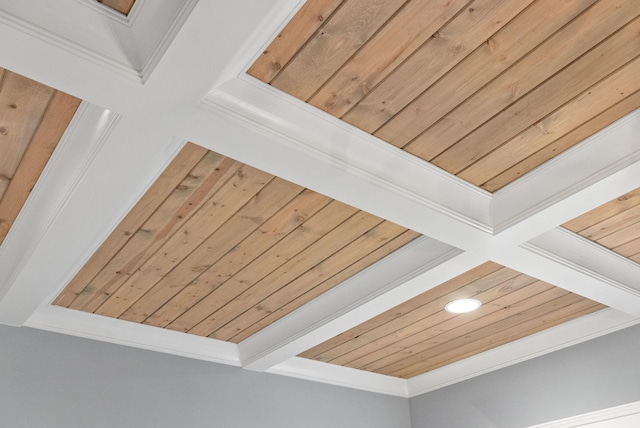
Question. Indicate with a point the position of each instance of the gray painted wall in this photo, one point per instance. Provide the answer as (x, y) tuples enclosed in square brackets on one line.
[(51, 380), (594, 375)]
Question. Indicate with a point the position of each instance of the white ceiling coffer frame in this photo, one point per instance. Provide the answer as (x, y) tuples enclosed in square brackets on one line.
[(162, 76)]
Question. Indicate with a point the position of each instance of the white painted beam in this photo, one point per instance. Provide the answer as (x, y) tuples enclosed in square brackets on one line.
[(112, 330), (410, 271)]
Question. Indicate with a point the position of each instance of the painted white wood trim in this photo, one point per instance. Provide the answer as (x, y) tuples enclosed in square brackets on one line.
[(410, 271), (582, 178), (104, 38), (583, 253), (325, 136), (573, 332), (316, 371), (112, 330), (85, 136), (619, 417)]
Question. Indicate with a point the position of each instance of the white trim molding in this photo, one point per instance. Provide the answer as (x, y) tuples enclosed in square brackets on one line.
[(625, 416)]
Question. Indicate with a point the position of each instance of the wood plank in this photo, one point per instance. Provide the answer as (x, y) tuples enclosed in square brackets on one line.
[(508, 334), (246, 220), (603, 212), (405, 308), (590, 103), (472, 27), (612, 224), (300, 238), (312, 278), (432, 316), (233, 194), (565, 46), (553, 93), (393, 44), (268, 234), (311, 16), (122, 6), (342, 35), (535, 306), (621, 236), (55, 120), (175, 196), (501, 50), (441, 325), (345, 274), (628, 249), (565, 142), (22, 105), (342, 235)]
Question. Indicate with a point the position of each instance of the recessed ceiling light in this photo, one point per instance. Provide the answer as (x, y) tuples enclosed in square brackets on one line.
[(462, 306)]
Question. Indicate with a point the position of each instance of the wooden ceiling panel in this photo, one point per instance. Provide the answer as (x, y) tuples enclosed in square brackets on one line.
[(122, 6), (220, 249), (418, 335), (33, 118), (614, 225), (485, 89)]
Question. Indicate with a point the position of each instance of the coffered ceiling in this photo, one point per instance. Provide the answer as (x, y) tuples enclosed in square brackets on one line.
[(301, 187)]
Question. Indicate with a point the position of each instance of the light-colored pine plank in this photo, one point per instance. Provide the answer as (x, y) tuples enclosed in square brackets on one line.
[(507, 91), (184, 186), (603, 212), (622, 236), (246, 220), (395, 42), (300, 238), (508, 334), (473, 26), (565, 142), (273, 230), (628, 249), (311, 16), (553, 93), (54, 122), (600, 97), (551, 299), (233, 194), (342, 35), (273, 280), (313, 277), (441, 325), (432, 316), (122, 6), (23, 103), (405, 308), (517, 38), (613, 224), (368, 260)]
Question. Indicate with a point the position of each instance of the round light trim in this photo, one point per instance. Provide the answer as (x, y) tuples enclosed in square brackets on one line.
[(462, 306)]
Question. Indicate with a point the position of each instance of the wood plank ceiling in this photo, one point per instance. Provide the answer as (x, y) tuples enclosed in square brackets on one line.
[(485, 89), (614, 225), (122, 6), (217, 248), (419, 335), (33, 118)]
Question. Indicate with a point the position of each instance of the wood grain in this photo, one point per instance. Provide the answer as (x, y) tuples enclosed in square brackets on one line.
[(342, 35), (122, 6), (311, 16), (500, 51), (474, 25), (393, 44), (44, 140)]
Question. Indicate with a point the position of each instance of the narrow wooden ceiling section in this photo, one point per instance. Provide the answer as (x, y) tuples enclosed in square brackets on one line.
[(485, 89), (419, 335), (33, 118), (122, 6), (217, 248), (614, 225)]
